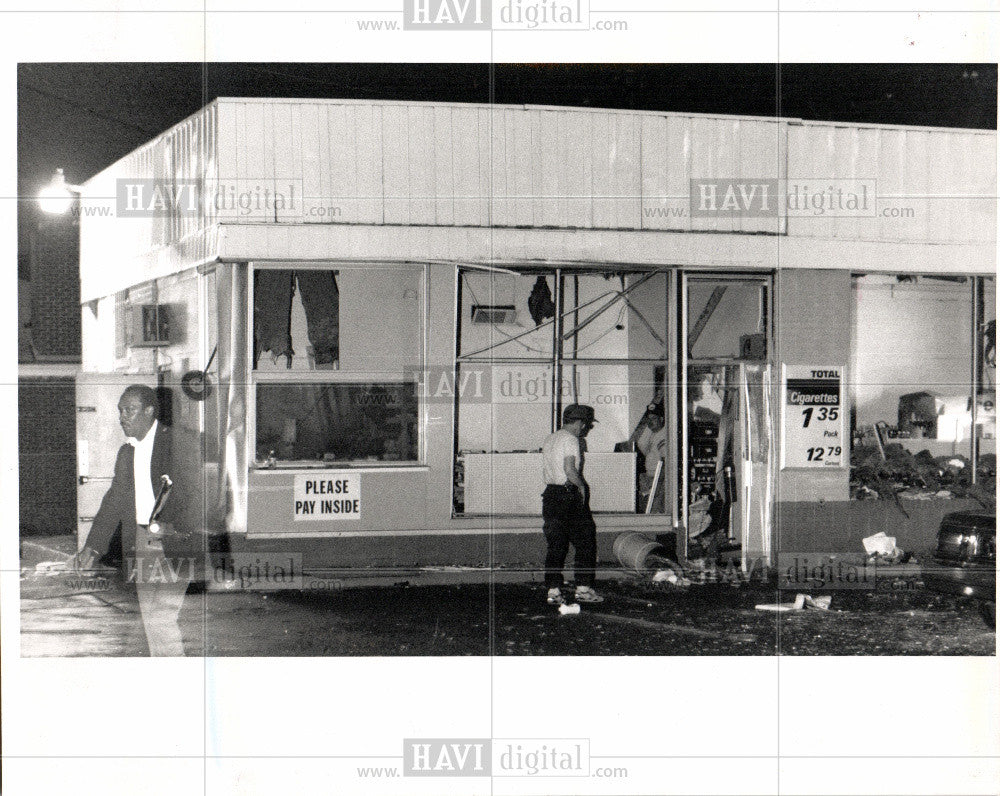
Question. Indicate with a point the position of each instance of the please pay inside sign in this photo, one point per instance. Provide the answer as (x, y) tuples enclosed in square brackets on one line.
[(327, 496)]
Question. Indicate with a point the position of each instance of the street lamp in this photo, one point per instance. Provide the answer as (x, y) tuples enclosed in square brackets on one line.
[(57, 196)]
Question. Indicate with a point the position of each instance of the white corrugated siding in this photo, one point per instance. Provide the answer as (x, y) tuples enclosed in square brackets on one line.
[(948, 178), (436, 164), (424, 164), (117, 251)]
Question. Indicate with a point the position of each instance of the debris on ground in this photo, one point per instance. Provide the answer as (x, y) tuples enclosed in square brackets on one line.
[(671, 577), (879, 543), (802, 601), (892, 472), (570, 608), (882, 551), (819, 603), (51, 568)]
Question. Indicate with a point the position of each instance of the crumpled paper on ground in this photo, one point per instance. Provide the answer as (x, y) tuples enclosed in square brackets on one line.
[(802, 601)]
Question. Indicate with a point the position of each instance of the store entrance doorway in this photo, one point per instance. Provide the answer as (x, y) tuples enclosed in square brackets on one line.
[(726, 482)]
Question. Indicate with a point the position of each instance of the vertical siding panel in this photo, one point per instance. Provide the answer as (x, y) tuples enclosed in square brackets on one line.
[(395, 162), (484, 120), (892, 157), (266, 174), (701, 165), (228, 133), (520, 145), (341, 185), (286, 145), (254, 165), (867, 168), (313, 164), (602, 146), (942, 211), (758, 158), (677, 156), (465, 165), (654, 162), (210, 162), (444, 168), (192, 221), (822, 225), (368, 149), (844, 223), (965, 169), (981, 211), (708, 142), (578, 165), (534, 118), (338, 184), (420, 139), (552, 188), (814, 164), (918, 186), (626, 168), (500, 168)]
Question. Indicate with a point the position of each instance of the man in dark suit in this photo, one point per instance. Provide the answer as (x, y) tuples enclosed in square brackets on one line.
[(161, 576)]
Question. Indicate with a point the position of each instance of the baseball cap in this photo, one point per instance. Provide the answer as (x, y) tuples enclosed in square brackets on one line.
[(578, 412)]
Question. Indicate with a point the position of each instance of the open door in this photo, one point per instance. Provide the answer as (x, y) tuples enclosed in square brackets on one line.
[(726, 485), (755, 481)]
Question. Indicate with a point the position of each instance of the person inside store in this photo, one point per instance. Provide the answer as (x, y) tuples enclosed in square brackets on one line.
[(651, 442), (566, 507), (161, 576)]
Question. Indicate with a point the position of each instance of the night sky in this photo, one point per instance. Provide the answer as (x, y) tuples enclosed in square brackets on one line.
[(83, 117)]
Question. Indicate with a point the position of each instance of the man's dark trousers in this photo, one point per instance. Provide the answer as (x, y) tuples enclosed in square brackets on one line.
[(567, 519)]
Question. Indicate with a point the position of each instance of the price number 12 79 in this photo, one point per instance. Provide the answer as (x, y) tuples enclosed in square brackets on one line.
[(816, 454)]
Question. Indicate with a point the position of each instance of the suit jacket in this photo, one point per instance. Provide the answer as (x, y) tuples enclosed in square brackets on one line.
[(117, 512)]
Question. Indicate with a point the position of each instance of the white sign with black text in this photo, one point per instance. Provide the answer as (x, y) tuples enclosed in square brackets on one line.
[(812, 405), (327, 495)]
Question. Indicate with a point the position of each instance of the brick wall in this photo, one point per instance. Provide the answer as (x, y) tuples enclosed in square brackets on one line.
[(49, 326), (46, 410), (55, 289)]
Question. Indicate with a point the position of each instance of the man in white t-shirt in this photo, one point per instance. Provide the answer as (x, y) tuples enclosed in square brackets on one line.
[(566, 507)]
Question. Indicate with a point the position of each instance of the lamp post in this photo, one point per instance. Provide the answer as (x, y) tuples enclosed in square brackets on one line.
[(57, 197)]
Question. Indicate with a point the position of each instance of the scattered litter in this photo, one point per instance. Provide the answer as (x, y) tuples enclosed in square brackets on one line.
[(879, 543), (778, 608), (50, 567), (802, 601), (571, 608), (671, 577)]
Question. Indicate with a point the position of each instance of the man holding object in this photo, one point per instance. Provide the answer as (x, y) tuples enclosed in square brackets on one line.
[(126, 510), (566, 507)]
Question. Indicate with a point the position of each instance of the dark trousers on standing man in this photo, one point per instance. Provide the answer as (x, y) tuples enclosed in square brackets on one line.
[(567, 520)]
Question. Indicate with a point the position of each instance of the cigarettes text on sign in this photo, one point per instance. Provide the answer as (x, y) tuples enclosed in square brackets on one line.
[(813, 417), (327, 495)]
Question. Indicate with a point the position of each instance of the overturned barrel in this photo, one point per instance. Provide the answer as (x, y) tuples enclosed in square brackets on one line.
[(637, 551)]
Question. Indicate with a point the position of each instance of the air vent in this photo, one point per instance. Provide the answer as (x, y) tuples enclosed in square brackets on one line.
[(493, 313), (150, 326)]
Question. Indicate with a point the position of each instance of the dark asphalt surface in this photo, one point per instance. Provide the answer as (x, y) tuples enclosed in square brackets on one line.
[(511, 619), (637, 618)]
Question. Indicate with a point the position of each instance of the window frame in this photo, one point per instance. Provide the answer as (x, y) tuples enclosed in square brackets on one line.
[(335, 376), (561, 357), (976, 291)]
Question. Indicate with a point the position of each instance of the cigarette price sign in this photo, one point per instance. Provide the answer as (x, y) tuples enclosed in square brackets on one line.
[(812, 416)]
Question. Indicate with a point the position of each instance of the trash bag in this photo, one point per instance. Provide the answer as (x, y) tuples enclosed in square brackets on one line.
[(540, 304)]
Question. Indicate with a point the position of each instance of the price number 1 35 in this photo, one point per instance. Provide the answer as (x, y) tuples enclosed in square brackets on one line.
[(823, 413)]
